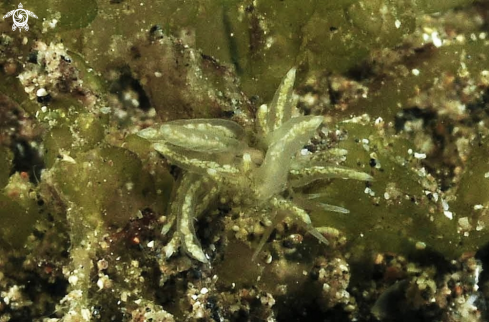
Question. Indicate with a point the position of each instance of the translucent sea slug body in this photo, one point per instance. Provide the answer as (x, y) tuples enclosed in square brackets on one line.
[(252, 170)]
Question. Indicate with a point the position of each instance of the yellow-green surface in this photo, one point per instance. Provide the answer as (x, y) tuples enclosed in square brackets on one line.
[(222, 59)]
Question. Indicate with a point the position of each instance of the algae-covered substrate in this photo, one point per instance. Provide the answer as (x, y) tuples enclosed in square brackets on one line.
[(149, 172)]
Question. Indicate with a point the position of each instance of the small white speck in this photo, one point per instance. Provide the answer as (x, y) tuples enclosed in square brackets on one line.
[(67, 158), (52, 23), (436, 39), (151, 244), (41, 92), (419, 155), (73, 280), (305, 152), (420, 245), (105, 110), (448, 214), (397, 23), (486, 175), (204, 291), (444, 204), (478, 207), (129, 186), (464, 223), (415, 72), (246, 157), (369, 192), (85, 313), (100, 284)]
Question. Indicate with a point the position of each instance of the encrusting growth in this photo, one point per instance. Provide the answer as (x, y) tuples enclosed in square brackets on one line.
[(251, 170)]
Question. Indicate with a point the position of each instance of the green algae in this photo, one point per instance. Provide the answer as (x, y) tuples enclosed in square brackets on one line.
[(70, 14), (19, 212), (254, 37), (394, 212), (5, 166), (107, 183), (18, 222), (349, 31)]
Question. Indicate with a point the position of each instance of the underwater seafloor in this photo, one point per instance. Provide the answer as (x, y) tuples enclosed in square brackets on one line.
[(404, 90)]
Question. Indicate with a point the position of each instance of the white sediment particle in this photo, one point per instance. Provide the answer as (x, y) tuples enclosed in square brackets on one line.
[(434, 194), (436, 39), (419, 155), (480, 225), (86, 315), (105, 110), (464, 223), (444, 204), (369, 191), (41, 92), (73, 280), (305, 152), (420, 245), (365, 144), (247, 164), (67, 158), (446, 212)]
